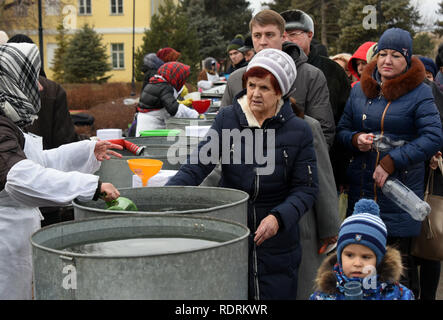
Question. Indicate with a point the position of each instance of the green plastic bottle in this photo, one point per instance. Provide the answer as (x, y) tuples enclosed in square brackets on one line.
[(121, 204)]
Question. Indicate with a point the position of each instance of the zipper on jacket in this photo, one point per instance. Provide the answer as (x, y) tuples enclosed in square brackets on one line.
[(255, 264), (254, 250), (285, 157), (378, 151), (310, 176)]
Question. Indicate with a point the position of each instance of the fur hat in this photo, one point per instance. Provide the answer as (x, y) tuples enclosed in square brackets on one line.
[(280, 64), (396, 39), (363, 227), (168, 54), (297, 19), (236, 43)]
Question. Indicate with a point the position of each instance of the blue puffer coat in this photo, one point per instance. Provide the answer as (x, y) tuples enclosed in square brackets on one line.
[(290, 190), (411, 117)]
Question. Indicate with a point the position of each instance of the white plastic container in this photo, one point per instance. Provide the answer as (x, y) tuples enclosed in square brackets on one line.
[(107, 134), (159, 180), (197, 131), (193, 95)]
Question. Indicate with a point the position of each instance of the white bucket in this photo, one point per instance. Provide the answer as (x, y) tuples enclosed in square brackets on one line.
[(197, 131), (107, 134), (158, 180), (193, 95)]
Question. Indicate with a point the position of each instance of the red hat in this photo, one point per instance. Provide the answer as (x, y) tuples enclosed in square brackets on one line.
[(168, 54)]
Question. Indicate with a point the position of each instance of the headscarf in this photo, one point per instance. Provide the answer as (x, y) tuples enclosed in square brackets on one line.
[(175, 73), (168, 54), (19, 94)]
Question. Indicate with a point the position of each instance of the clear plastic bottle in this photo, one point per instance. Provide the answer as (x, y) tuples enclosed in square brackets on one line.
[(406, 199), (353, 290)]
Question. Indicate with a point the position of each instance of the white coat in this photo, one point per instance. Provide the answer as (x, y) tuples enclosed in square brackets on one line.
[(46, 178)]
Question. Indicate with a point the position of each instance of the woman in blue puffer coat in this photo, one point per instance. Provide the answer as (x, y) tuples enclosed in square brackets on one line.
[(392, 105), (282, 188)]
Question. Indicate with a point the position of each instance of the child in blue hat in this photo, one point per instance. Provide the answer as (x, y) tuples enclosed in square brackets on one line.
[(362, 256)]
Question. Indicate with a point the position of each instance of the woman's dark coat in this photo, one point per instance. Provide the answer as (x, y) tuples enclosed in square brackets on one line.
[(289, 191), (412, 117)]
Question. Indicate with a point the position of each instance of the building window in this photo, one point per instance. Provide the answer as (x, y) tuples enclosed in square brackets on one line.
[(84, 7), (116, 6), (118, 56), (52, 7), (21, 8)]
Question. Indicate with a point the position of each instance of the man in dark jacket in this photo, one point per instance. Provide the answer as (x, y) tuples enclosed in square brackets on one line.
[(311, 94), (300, 30), (54, 123)]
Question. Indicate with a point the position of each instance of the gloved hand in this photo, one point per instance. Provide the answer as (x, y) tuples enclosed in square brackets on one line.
[(187, 102), (185, 112)]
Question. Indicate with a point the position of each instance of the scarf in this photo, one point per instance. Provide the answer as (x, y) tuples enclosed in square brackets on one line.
[(174, 73), (382, 288), (19, 94)]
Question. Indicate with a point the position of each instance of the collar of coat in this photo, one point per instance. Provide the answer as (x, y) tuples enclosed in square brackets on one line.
[(395, 88), (389, 271), (250, 118)]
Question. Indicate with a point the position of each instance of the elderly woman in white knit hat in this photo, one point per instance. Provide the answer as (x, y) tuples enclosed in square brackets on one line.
[(30, 177), (267, 152)]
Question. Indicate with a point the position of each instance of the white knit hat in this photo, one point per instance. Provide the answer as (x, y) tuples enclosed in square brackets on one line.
[(280, 64)]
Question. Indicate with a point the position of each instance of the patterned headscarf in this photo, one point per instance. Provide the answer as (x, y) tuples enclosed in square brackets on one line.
[(19, 94), (175, 73)]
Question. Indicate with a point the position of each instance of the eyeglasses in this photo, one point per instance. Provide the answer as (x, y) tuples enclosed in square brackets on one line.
[(296, 33)]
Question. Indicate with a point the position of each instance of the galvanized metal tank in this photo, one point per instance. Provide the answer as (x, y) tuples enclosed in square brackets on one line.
[(117, 172), (182, 123), (221, 203), (216, 270)]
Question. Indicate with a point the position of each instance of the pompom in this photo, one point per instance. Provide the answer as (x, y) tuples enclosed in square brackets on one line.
[(366, 206)]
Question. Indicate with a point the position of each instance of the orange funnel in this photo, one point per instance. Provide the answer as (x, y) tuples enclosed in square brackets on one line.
[(145, 168)]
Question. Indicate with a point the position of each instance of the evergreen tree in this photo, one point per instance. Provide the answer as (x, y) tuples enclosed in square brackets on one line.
[(170, 28), (279, 5), (59, 55), (439, 29), (423, 45), (211, 40), (233, 16), (389, 14), (86, 59)]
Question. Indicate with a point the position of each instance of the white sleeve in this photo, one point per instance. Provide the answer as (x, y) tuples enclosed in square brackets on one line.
[(76, 156), (204, 84), (34, 185), (185, 112)]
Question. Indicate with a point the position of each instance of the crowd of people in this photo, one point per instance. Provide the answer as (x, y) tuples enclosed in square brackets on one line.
[(328, 117)]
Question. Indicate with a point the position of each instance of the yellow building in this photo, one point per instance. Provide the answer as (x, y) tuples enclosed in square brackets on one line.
[(113, 19)]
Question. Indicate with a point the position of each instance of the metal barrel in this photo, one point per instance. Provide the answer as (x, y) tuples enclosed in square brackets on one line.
[(215, 270), (117, 172), (182, 123), (221, 203)]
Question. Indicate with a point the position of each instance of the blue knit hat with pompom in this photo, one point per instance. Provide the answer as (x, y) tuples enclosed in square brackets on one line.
[(363, 227)]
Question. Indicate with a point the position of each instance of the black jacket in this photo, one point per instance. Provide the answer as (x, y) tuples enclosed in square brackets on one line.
[(54, 123), (159, 96)]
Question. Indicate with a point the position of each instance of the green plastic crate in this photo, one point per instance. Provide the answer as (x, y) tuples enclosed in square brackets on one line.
[(159, 133)]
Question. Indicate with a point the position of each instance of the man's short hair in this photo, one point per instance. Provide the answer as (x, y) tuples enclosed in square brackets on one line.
[(267, 17)]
